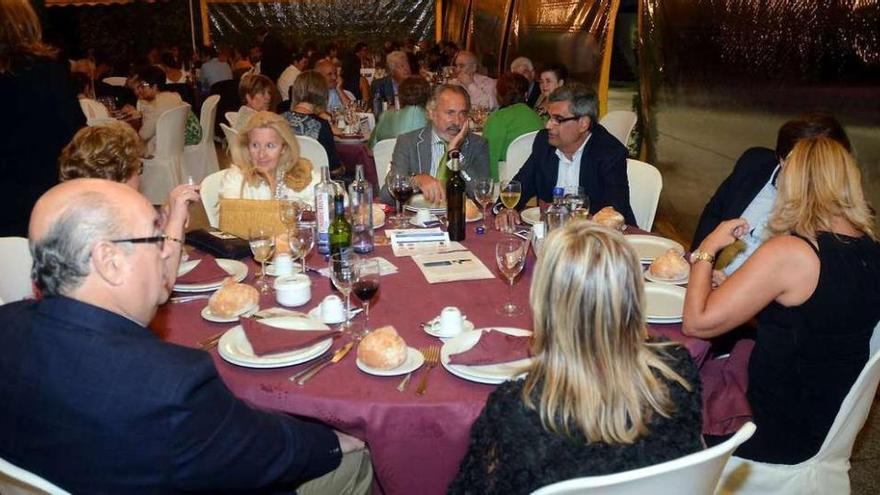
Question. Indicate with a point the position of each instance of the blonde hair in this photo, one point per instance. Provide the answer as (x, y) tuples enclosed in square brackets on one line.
[(109, 151), (297, 171), (594, 371), (21, 37), (820, 181)]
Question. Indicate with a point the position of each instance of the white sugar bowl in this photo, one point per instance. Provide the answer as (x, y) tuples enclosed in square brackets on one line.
[(293, 290)]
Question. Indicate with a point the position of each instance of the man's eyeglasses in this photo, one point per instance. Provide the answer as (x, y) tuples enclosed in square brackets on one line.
[(148, 240), (556, 119)]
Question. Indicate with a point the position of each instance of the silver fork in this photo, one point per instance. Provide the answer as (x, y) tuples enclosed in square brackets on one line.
[(432, 358)]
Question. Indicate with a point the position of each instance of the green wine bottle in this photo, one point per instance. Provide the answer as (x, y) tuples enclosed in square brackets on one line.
[(340, 229)]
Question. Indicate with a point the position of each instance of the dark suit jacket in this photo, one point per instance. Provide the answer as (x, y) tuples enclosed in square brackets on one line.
[(603, 173), (533, 93), (96, 403), (751, 172)]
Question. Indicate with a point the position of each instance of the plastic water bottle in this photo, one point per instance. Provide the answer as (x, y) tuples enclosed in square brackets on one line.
[(557, 214), (325, 191), (360, 198)]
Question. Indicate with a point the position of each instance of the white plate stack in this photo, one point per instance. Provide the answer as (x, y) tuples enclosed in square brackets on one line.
[(665, 303)]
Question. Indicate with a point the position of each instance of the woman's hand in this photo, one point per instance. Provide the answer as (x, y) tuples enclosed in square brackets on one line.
[(178, 207), (725, 234)]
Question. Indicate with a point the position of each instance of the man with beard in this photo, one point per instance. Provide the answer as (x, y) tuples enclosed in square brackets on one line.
[(422, 153), (574, 150)]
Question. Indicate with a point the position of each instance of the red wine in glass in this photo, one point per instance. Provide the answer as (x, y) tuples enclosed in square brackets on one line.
[(402, 193), (365, 289)]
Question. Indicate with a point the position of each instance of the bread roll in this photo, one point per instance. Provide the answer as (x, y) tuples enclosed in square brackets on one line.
[(609, 217), (232, 299), (382, 349), (670, 266), (378, 215), (471, 210)]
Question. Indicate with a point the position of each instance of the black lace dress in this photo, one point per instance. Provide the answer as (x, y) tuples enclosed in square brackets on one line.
[(510, 452)]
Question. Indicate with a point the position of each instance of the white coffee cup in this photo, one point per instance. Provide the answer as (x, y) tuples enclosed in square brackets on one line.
[(293, 290), (423, 215), (283, 264), (332, 309), (450, 322)]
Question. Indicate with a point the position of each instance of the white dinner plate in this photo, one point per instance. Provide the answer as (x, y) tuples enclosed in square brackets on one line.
[(414, 221), (665, 303), (649, 247), (418, 201), (235, 348), (531, 216), (491, 373), (659, 280), (414, 360), (235, 269), (208, 315), (432, 328)]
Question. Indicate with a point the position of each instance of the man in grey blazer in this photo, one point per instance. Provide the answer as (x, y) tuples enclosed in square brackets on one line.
[(422, 153)]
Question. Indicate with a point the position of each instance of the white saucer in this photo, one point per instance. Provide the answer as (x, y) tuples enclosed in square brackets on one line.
[(414, 360), (466, 326), (208, 315), (315, 314)]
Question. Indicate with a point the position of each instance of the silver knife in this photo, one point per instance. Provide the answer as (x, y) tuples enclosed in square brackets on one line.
[(337, 356), (314, 365)]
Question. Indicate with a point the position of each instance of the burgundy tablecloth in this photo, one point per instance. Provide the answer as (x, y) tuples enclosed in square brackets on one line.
[(351, 154), (416, 442)]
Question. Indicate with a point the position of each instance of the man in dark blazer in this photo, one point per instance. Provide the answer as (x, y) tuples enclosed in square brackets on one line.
[(523, 66), (94, 402), (572, 138), (384, 89), (754, 170), (422, 153)]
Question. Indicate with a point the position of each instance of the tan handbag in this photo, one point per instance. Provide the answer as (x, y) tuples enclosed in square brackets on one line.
[(240, 216)]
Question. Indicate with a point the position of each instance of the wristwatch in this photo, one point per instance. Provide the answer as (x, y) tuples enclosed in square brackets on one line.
[(702, 256)]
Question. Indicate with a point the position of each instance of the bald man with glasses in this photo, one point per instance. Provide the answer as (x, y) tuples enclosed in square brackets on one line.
[(574, 150)]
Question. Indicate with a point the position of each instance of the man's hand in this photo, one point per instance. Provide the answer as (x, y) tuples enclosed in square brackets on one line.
[(455, 143), (506, 219), (432, 188), (464, 78), (348, 443)]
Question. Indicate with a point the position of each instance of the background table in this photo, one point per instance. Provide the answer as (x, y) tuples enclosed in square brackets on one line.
[(416, 442)]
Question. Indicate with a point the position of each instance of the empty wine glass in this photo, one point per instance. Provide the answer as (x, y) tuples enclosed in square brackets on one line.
[(342, 273), (486, 193), (366, 285), (262, 244), (510, 253), (400, 185), (302, 240)]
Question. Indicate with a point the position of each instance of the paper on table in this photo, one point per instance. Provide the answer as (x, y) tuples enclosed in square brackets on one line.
[(452, 267), (385, 267), (412, 242)]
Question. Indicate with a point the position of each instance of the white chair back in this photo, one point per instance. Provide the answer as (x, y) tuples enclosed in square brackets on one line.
[(201, 159), (382, 153), (231, 118), (210, 193), (17, 481), (828, 470), (163, 171), (93, 110), (114, 81), (645, 184), (620, 123), (312, 149), (15, 265), (517, 153), (692, 474)]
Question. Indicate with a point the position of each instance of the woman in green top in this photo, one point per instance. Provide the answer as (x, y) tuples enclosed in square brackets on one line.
[(511, 121), (413, 95)]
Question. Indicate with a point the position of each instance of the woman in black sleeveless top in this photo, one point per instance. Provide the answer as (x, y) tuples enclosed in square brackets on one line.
[(815, 288)]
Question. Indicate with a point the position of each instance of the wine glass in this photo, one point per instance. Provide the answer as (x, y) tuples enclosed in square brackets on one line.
[(510, 253), (366, 284), (302, 240), (486, 193), (290, 213), (575, 198), (510, 193), (400, 185), (262, 244), (342, 273)]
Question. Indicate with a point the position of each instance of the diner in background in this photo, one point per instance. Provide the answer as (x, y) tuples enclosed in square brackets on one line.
[(307, 117), (141, 415), (216, 68), (599, 398), (480, 88), (350, 66), (813, 286), (266, 163), (153, 102), (552, 76), (298, 63), (422, 153), (574, 150), (385, 89), (513, 119), (336, 97), (523, 66), (414, 95), (257, 93)]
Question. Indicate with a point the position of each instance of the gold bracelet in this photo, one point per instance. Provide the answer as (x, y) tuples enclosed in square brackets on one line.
[(702, 256)]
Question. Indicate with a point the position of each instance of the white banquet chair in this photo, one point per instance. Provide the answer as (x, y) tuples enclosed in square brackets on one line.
[(15, 265), (162, 171), (231, 118), (312, 149), (696, 473), (95, 111), (210, 194), (17, 481), (827, 471), (645, 184), (382, 153), (200, 160), (517, 153), (114, 81), (620, 123)]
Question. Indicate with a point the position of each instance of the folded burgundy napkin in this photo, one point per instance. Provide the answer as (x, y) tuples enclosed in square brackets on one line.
[(494, 347), (206, 271), (266, 339)]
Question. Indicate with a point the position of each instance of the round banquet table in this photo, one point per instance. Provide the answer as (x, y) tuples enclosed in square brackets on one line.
[(416, 443)]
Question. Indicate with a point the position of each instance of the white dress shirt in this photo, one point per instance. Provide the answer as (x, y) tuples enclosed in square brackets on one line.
[(438, 148), (570, 170), (756, 214), (285, 81)]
